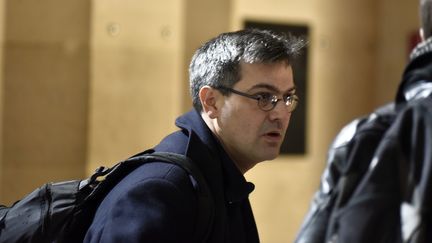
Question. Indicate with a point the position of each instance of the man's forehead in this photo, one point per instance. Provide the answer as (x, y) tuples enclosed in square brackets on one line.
[(258, 68), (275, 77), (272, 88)]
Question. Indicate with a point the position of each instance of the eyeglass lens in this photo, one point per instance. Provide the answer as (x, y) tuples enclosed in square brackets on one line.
[(269, 103)]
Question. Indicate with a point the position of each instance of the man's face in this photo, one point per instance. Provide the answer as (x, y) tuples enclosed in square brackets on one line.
[(249, 134)]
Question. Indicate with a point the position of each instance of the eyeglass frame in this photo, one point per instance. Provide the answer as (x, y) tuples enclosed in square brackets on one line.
[(293, 99)]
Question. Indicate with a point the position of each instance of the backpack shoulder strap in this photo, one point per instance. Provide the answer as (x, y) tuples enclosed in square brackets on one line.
[(205, 200)]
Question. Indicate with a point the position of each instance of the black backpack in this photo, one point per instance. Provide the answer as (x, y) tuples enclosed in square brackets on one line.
[(62, 212)]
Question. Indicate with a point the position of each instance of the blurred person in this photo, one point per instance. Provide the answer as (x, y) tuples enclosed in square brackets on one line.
[(243, 95), (377, 186)]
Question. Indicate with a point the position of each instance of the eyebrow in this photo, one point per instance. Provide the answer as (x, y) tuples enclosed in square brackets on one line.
[(272, 88)]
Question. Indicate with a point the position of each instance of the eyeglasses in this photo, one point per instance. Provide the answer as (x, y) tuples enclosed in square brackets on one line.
[(267, 101)]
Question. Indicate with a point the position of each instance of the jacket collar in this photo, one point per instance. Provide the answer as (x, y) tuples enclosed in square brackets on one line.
[(237, 188), (417, 78)]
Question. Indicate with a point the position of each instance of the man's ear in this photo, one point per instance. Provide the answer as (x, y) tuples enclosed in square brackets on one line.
[(209, 98)]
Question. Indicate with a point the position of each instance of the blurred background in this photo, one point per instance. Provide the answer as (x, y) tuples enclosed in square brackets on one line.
[(90, 82)]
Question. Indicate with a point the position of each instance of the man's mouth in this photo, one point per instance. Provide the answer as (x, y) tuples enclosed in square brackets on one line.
[(273, 136)]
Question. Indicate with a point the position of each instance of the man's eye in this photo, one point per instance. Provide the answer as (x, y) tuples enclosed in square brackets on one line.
[(267, 97), (288, 97)]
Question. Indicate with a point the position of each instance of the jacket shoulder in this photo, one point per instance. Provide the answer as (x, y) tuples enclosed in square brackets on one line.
[(156, 197)]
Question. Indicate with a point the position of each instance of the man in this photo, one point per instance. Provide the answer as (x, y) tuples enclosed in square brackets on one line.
[(377, 186), (243, 94)]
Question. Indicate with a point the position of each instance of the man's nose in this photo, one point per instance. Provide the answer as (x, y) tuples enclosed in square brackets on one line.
[(280, 111)]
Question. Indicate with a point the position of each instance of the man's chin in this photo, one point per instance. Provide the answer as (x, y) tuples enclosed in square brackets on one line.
[(272, 155)]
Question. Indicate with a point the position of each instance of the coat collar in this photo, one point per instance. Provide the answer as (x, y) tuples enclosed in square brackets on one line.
[(205, 150), (417, 77)]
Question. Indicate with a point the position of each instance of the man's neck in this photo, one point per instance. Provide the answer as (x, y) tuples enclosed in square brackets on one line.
[(243, 166)]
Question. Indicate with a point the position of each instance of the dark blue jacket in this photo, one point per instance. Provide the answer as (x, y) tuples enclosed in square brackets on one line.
[(157, 201)]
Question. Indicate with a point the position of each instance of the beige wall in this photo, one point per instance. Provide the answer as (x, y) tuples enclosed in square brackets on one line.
[(2, 24), (45, 93), (136, 76), (87, 83)]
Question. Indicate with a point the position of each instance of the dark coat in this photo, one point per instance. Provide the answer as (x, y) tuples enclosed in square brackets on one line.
[(377, 186), (157, 201)]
